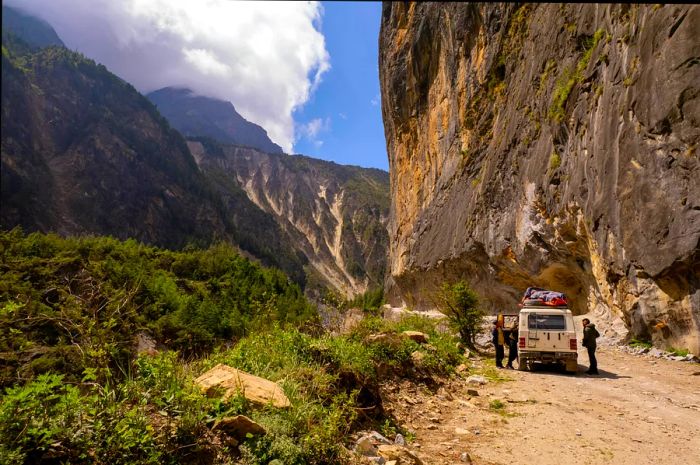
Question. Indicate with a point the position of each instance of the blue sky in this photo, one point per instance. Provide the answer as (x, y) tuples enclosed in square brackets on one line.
[(342, 121)]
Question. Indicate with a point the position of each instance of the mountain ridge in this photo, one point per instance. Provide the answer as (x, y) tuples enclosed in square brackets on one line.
[(335, 215), (198, 115), (32, 30)]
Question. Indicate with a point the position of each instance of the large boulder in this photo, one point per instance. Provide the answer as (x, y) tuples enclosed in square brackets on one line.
[(232, 382)]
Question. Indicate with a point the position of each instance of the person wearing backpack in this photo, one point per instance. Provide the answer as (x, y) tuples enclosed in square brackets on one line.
[(590, 334)]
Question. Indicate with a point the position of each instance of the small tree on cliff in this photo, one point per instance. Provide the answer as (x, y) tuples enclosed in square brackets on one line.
[(461, 306)]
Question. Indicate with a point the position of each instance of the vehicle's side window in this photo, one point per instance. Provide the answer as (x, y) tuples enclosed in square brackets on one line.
[(552, 322)]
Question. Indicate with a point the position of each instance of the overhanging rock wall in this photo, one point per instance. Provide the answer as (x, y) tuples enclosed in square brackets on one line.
[(551, 145)]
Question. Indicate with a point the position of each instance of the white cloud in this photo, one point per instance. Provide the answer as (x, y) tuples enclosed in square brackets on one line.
[(265, 57), (375, 101), (205, 62), (343, 115), (313, 129)]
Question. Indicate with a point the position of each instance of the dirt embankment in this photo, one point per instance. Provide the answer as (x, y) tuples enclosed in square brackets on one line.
[(639, 411)]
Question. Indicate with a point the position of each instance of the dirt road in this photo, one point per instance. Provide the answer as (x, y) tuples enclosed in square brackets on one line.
[(640, 410)]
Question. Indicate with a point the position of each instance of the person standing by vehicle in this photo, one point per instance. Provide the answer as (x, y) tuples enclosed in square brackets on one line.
[(498, 342), (590, 334), (512, 346)]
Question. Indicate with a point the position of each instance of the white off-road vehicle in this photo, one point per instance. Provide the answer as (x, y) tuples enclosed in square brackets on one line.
[(547, 335)]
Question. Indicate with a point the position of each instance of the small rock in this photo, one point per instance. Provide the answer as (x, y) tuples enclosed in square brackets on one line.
[(365, 446), (678, 358), (400, 454), (392, 462), (690, 358), (461, 368), (379, 337), (477, 431), (377, 459), (476, 380), (416, 336), (465, 457), (578, 433), (399, 440), (238, 427), (432, 426), (473, 392), (418, 357), (145, 344), (461, 432), (467, 353), (379, 438), (655, 353)]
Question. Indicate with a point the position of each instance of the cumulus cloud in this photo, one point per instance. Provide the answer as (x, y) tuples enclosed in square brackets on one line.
[(265, 57), (313, 129)]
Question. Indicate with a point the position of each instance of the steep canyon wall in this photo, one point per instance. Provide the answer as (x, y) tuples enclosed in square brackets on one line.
[(551, 145)]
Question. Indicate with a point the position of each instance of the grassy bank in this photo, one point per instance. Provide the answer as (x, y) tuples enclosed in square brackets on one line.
[(75, 389)]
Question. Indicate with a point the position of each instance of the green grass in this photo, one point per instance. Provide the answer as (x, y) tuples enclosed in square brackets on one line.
[(642, 344), (679, 352), (496, 405), (570, 77), (499, 407)]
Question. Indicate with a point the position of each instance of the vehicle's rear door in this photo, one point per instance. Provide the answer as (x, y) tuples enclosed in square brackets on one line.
[(547, 332)]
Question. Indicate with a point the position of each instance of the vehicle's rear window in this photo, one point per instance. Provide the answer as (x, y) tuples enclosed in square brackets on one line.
[(535, 321)]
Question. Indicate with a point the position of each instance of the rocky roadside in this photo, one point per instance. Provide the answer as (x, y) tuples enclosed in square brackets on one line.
[(485, 416)]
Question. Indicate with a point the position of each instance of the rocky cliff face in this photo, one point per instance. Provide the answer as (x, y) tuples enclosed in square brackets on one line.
[(551, 145), (196, 115), (334, 216)]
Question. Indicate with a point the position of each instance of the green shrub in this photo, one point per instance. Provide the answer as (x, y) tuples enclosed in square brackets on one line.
[(461, 306), (554, 161), (496, 405), (83, 299), (49, 416)]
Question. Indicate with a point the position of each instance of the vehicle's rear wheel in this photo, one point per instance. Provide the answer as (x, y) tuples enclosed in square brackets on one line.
[(522, 363)]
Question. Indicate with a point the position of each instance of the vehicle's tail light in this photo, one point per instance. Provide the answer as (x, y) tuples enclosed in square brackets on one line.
[(572, 344), (521, 342)]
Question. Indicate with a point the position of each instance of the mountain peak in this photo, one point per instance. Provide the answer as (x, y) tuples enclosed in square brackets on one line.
[(32, 30), (199, 116)]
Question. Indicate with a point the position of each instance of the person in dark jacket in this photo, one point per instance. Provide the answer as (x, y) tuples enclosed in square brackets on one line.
[(498, 342), (512, 346), (590, 334)]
